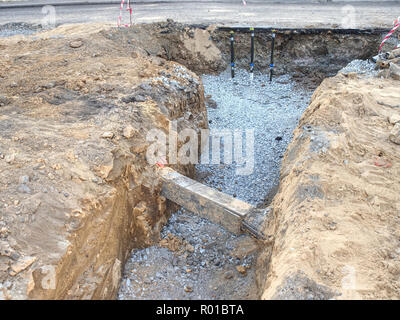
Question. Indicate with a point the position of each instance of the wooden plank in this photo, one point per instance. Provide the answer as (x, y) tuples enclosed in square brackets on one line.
[(205, 201)]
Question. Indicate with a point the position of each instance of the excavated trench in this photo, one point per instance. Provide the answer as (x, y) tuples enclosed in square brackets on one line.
[(197, 259), (114, 203)]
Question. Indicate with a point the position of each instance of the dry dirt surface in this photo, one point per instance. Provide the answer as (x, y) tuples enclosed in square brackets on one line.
[(76, 192), (336, 215)]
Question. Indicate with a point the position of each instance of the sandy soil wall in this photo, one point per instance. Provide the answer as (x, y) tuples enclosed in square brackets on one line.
[(336, 215), (76, 191)]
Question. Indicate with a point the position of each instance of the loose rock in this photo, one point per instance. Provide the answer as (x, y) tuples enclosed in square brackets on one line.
[(4, 101), (10, 158), (129, 132), (241, 270), (21, 265), (134, 98), (188, 289), (76, 44), (107, 135), (394, 118), (23, 188), (395, 134), (211, 102), (394, 71), (24, 179)]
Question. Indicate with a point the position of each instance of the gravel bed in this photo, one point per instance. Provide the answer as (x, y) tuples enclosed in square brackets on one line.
[(363, 67), (211, 263), (204, 267), (272, 110), (16, 28)]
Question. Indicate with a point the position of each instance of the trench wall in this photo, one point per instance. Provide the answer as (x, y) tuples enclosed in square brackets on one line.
[(335, 222)]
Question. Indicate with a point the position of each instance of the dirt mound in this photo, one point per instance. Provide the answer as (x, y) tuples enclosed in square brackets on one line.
[(76, 191), (336, 215), (187, 45)]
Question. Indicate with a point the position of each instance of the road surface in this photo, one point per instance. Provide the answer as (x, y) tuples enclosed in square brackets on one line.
[(222, 12)]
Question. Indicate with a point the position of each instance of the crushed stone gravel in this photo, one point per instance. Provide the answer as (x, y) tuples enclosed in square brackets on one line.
[(16, 28), (272, 110), (362, 67)]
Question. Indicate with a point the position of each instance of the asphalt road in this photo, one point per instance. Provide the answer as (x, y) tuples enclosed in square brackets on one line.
[(228, 12)]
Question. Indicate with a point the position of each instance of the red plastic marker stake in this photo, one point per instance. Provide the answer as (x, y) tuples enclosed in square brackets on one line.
[(162, 163), (382, 163)]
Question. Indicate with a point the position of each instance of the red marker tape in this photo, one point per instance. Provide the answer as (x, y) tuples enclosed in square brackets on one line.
[(162, 163), (128, 8), (396, 26), (382, 163)]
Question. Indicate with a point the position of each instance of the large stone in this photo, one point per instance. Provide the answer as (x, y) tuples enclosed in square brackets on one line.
[(395, 134)]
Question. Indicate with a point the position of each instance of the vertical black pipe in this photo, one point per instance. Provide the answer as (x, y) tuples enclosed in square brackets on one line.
[(252, 54), (272, 56), (232, 55)]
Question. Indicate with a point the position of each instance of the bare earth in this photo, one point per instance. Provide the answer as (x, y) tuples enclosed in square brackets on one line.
[(76, 191), (336, 214)]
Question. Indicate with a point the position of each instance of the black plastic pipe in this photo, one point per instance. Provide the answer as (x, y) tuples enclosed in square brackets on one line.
[(271, 65), (232, 54), (252, 54)]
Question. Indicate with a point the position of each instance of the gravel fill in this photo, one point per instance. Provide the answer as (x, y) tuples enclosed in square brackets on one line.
[(210, 262), (16, 28), (204, 268), (272, 110), (363, 67)]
